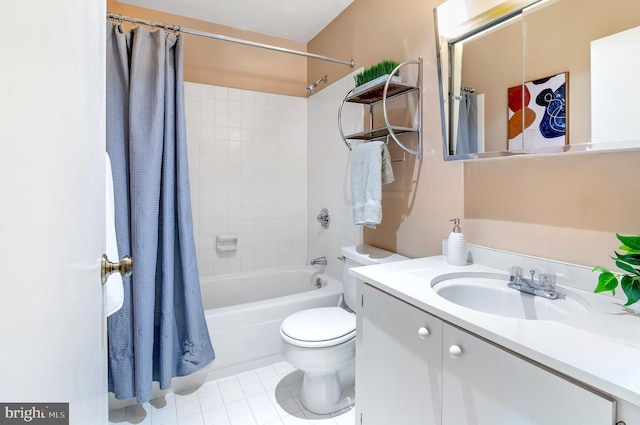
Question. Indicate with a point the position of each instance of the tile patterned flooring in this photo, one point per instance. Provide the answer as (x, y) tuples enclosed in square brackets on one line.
[(269, 395)]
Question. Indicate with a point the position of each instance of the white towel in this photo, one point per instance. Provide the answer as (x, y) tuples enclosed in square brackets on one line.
[(367, 178), (387, 171), (112, 291)]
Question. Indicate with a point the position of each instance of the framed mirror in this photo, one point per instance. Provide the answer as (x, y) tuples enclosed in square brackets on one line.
[(521, 77)]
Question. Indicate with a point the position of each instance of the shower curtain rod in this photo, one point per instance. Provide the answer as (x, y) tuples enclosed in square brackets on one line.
[(117, 17)]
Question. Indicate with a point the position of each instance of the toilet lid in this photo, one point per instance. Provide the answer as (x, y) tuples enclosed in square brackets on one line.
[(319, 327)]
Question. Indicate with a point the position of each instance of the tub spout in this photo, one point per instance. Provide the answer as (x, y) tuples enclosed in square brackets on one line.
[(320, 261)]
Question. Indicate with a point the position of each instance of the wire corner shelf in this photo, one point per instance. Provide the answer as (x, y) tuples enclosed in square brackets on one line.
[(380, 92)]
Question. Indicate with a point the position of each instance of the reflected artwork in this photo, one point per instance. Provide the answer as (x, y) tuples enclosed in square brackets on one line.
[(538, 113)]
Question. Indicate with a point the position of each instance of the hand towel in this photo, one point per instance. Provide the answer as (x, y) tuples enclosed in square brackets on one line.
[(367, 177), (112, 290), (387, 171)]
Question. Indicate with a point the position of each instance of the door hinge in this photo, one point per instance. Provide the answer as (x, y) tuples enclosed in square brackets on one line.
[(360, 418)]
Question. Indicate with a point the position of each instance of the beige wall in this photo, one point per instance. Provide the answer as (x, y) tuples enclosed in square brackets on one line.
[(566, 208), (222, 63), (426, 194)]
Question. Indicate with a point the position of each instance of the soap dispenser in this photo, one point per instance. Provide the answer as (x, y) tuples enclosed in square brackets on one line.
[(457, 246)]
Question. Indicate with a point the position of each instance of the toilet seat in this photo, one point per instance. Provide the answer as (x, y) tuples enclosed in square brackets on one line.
[(319, 327)]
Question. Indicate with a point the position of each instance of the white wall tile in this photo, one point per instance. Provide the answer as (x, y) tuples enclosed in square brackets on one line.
[(328, 184), (262, 166), (247, 153)]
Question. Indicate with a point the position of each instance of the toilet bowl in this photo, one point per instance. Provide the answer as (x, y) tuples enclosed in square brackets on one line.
[(321, 341)]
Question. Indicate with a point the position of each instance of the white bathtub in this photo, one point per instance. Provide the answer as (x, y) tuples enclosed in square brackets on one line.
[(243, 314)]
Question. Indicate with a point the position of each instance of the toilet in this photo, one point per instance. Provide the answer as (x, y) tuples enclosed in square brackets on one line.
[(321, 342)]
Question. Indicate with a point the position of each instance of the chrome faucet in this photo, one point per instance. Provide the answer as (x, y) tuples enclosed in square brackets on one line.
[(320, 261), (544, 286)]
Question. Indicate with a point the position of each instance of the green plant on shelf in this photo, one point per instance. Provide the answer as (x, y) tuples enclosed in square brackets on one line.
[(378, 70), (629, 261)]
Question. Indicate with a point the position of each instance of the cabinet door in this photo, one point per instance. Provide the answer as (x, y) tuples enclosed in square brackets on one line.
[(398, 362), (486, 385)]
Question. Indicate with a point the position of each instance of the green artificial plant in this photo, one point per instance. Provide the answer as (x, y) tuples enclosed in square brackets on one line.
[(629, 261), (378, 70)]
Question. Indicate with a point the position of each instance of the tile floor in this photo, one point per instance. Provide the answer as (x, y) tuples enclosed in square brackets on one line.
[(269, 395)]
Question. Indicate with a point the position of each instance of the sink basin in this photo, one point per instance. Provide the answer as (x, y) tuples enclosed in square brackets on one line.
[(488, 293)]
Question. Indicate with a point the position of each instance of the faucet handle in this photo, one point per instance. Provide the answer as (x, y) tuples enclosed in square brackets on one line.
[(516, 272), (547, 281)]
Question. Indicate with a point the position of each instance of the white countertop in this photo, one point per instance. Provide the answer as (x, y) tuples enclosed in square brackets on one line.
[(600, 348)]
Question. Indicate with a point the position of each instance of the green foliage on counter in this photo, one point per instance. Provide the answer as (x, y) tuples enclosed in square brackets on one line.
[(629, 261), (378, 70)]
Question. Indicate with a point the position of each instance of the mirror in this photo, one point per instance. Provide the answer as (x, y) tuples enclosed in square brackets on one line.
[(538, 76)]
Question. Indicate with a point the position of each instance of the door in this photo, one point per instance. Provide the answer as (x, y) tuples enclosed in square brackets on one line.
[(483, 384), (52, 131), (398, 361)]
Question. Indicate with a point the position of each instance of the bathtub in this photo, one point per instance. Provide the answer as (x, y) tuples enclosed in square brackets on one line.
[(243, 314)]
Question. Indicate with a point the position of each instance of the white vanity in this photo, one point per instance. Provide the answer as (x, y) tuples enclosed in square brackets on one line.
[(423, 359)]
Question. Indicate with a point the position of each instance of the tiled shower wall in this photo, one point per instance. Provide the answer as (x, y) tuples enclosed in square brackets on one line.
[(248, 176), (329, 178), (262, 166)]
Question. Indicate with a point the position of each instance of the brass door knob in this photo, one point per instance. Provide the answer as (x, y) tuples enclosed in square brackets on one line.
[(124, 267)]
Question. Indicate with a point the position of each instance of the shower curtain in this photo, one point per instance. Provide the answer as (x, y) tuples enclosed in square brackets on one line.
[(160, 332), (467, 141)]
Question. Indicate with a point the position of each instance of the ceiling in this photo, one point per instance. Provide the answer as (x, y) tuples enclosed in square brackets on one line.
[(298, 20)]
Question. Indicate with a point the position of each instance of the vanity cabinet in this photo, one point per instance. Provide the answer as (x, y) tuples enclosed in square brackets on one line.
[(398, 361), (412, 368)]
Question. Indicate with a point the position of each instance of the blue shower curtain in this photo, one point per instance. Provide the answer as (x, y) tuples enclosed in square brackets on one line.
[(467, 141), (160, 332)]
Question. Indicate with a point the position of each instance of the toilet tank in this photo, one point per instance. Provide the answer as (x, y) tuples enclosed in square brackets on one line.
[(362, 255)]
